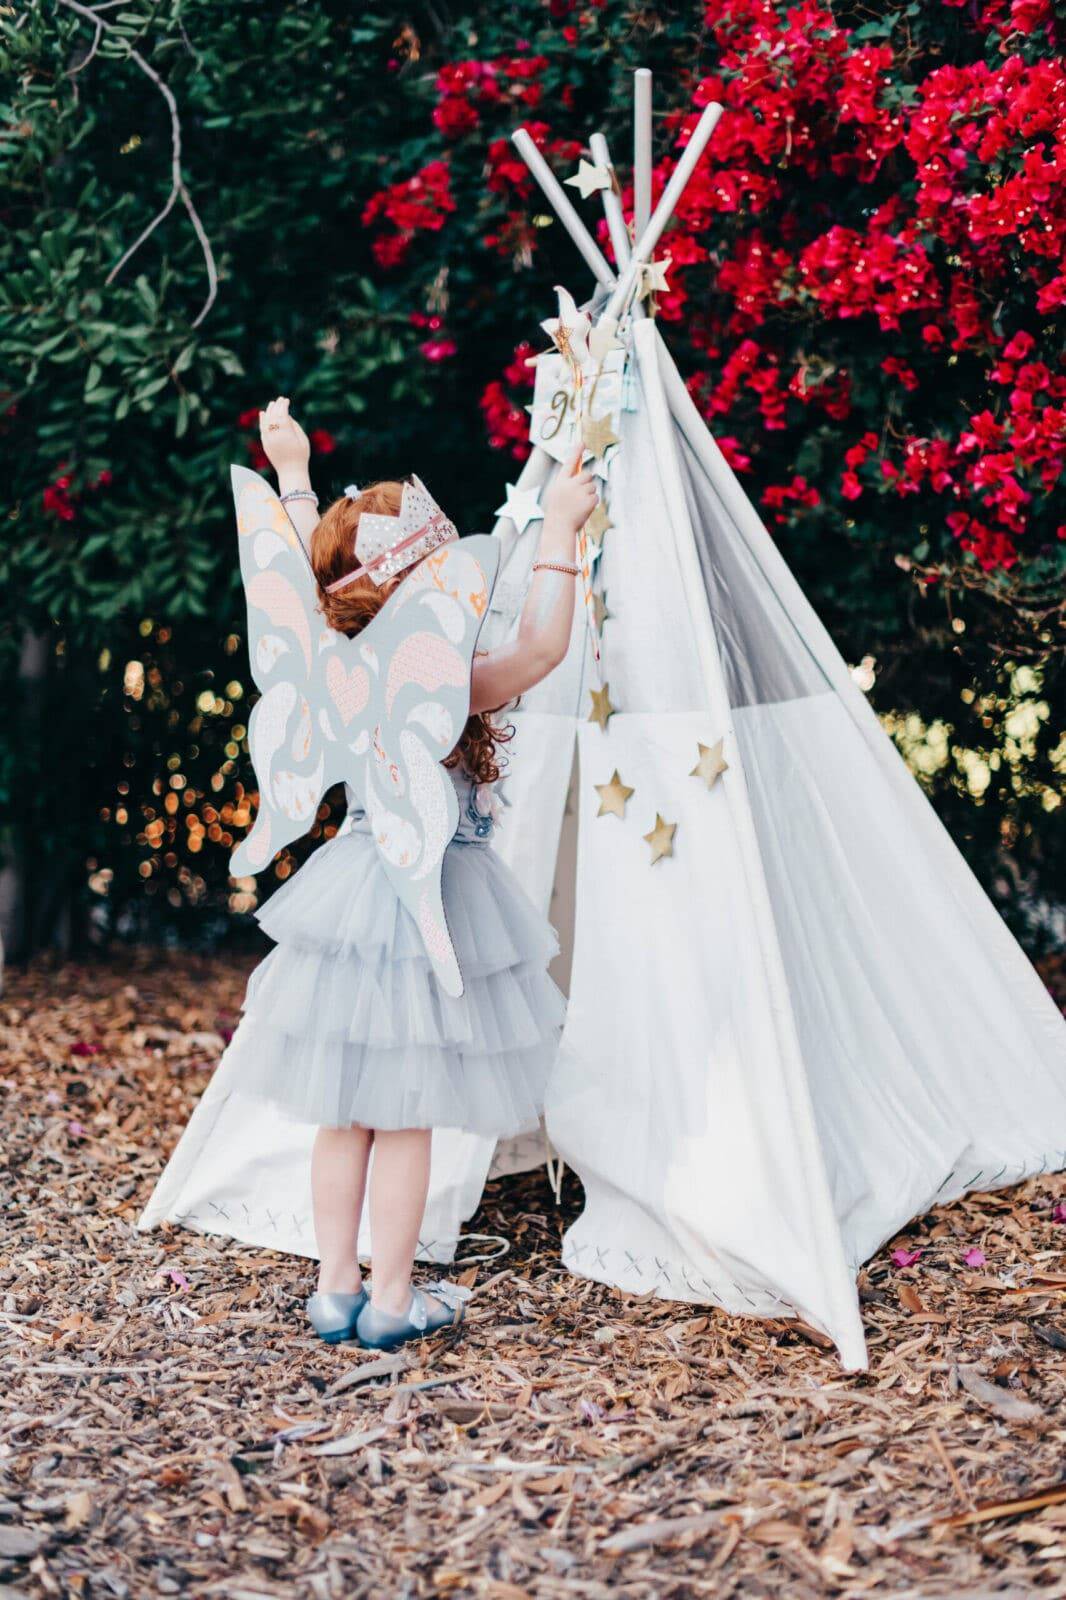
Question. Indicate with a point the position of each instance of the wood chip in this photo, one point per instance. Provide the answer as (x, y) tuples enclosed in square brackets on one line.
[(1004, 1402), (169, 1425)]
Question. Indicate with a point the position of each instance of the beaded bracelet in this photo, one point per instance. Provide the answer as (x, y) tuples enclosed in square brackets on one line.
[(299, 494), (556, 566)]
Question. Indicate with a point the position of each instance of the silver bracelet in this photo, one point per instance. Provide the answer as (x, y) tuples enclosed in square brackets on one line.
[(299, 494)]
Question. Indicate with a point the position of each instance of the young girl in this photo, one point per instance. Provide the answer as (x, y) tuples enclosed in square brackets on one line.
[(349, 1028)]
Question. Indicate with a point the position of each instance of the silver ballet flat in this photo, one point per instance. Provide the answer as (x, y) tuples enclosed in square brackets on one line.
[(381, 1330), (334, 1316)]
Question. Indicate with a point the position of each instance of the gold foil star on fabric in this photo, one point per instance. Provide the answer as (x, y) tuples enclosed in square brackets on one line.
[(589, 178), (602, 709), (598, 523), (711, 764), (613, 797), (661, 839), (599, 609), (598, 435)]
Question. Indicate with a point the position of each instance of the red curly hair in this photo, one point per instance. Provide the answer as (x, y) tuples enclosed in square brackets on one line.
[(351, 608)]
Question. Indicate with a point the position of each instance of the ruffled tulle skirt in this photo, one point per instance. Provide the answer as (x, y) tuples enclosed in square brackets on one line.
[(345, 1022)]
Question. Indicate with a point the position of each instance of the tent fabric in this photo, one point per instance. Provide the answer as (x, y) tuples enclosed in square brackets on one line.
[(810, 1024)]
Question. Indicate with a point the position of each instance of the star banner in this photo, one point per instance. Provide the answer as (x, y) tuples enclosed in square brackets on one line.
[(555, 419)]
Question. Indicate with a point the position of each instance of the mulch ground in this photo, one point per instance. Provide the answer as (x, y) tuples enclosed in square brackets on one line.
[(167, 1427)]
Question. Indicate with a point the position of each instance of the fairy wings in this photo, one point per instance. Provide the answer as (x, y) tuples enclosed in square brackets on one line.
[(380, 711)]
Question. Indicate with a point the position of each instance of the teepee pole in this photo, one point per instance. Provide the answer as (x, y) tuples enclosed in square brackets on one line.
[(641, 150), (612, 208), (556, 196), (647, 240), (612, 203)]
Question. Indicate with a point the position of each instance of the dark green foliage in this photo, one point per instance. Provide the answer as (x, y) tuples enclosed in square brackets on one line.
[(293, 116)]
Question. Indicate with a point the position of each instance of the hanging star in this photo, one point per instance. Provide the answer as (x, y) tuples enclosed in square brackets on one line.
[(711, 764), (602, 709), (568, 331), (598, 523), (598, 435), (604, 338), (589, 178), (613, 796), (599, 609), (653, 276), (661, 839), (522, 506)]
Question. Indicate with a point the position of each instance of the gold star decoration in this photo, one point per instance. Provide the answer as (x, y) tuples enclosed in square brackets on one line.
[(589, 178), (661, 839), (568, 331), (711, 764), (613, 796), (598, 435), (598, 523), (602, 709), (604, 338), (653, 276), (599, 609)]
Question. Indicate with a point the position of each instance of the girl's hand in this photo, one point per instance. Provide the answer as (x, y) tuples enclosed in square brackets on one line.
[(285, 444), (572, 495)]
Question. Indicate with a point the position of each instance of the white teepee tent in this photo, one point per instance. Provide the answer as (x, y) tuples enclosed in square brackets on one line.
[(803, 1026)]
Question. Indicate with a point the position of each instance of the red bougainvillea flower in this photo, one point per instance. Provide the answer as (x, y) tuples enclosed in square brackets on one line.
[(876, 232), (57, 501), (417, 204), (798, 493), (438, 349), (322, 441)]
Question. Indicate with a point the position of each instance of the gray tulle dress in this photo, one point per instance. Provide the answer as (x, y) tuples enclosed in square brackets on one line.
[(345, 1022)]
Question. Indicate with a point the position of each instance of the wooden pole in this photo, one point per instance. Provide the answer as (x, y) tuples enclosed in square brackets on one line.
[(612, 203), (641, 150), (557, 198), (649, 238)]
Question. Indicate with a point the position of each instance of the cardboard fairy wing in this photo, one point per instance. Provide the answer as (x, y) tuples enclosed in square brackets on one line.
[(380, 711)]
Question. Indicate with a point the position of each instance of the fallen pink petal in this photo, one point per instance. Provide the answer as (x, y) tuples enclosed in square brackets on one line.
[(974, 1258), (905, 1258)]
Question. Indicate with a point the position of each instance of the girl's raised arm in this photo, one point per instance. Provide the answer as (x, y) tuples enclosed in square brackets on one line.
[(547, 616), (288, 450)]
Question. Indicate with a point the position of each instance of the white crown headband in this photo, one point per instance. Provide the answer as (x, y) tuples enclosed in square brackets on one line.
[(386, 545)]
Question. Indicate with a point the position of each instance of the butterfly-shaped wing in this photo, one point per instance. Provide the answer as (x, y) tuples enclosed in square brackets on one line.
[(380, 711), (293, 750), (421, 647)]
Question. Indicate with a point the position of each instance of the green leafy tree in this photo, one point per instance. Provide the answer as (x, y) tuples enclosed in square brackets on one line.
[(870, 329)]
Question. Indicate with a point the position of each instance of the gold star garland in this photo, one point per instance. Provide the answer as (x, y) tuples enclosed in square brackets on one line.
[(613, 796), (661, 839), (711, 763), (602, 709)]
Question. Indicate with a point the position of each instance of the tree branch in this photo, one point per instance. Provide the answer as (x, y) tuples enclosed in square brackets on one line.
[(178, 188)]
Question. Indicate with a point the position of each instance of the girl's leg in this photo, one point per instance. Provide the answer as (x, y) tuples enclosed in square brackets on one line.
[(339, 1161), (399, 1183)]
